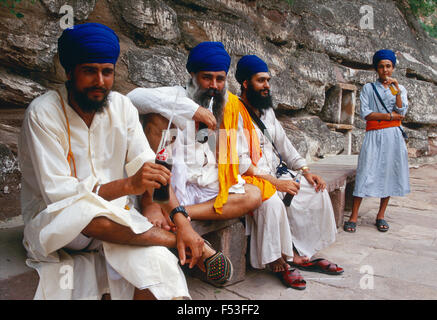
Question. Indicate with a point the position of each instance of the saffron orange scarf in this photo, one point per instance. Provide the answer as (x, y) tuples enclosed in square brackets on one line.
[(228, 156)]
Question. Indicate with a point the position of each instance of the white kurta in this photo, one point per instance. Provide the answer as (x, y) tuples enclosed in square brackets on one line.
[(311, 222), (195, 169), (56, 206)]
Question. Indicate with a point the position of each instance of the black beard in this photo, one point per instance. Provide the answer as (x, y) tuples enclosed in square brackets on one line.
[(82, 100), (261, 103)]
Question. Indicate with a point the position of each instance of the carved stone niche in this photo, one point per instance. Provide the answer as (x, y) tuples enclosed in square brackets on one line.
[(339, 111)]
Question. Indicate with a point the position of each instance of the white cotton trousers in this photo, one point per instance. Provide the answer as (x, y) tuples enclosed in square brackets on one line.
[(270, 234), (308, 225), (311, 219), (156, 258)]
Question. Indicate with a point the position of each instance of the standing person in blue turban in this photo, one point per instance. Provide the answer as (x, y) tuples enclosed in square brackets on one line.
[(283, 235), (84, 155), (383, 161)]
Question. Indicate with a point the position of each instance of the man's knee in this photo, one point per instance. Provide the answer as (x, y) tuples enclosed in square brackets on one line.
[(96, 226), (253, 197), (273, 208), (153, 125)]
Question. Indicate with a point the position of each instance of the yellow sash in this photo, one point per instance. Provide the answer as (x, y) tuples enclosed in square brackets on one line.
[(228, 157)]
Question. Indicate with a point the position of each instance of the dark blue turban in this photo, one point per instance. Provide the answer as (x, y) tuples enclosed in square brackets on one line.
[(384, 55), (88, 43), (248, 66), (208, 56)]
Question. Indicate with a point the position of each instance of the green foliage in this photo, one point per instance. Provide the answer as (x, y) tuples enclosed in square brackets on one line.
[(426, 12), (431, 29), (11, 4), (423, 8)]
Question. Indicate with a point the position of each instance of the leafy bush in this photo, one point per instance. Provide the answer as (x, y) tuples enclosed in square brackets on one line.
[(11, 4), (426, 12)]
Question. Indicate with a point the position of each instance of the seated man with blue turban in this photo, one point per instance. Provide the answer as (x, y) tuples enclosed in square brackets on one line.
[(196, 177), (291, 234), (84, 158)]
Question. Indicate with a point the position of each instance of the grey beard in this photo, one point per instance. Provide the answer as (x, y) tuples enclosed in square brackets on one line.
[(201, 97)]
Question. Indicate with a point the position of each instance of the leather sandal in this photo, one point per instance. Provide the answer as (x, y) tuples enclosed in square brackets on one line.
[(320, 265), (380, 223), (292, 278), (350, 226)]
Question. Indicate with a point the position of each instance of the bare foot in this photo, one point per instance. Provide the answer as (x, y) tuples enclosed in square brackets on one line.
[(279, 265), (297, 259), (157, 218), (300, 259)]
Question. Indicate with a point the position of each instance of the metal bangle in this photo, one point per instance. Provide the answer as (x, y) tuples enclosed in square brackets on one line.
[(97, 189), (305, 169)]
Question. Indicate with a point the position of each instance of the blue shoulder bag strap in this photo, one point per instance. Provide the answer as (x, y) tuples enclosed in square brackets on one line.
[(282, 167), (404, 134)]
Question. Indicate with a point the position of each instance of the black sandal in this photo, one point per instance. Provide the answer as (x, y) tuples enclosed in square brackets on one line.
[(380, 223), (350, 226)]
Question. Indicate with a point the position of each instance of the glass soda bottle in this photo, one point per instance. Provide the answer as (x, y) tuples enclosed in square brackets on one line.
[(288, 197), (164, 157), (393, 89)]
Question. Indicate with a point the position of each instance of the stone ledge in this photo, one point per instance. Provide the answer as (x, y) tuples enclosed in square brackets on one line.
[(339, 174)]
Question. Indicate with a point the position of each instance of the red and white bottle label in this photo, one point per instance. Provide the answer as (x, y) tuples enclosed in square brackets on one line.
[(162, 155)]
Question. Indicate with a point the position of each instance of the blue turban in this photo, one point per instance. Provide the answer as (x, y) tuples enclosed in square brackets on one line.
[(384, 55), (248, 66), (208, 56), (88, 43)]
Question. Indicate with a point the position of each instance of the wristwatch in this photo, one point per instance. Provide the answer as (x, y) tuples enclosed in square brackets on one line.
[(179, 209)]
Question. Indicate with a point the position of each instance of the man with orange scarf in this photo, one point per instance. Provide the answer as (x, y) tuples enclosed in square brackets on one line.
[(286, 235)]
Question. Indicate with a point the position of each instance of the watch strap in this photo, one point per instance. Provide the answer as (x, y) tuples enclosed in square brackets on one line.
[(179, 209)]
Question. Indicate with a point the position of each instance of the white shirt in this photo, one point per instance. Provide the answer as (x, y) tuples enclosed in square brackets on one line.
[(200, 160), (269, 161), (112, 148), (57, 206)]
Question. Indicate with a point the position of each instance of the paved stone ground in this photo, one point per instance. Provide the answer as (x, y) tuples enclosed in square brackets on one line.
[(403, 260)]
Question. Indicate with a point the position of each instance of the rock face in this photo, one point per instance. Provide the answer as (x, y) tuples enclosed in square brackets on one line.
[(9, 183), (310, 46)]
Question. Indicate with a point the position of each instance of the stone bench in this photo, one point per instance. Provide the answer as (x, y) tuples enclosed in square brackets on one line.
[(339, 175), (229, 237)]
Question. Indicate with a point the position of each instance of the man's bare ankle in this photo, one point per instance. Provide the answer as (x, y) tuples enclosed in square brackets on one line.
[(208, 251)]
